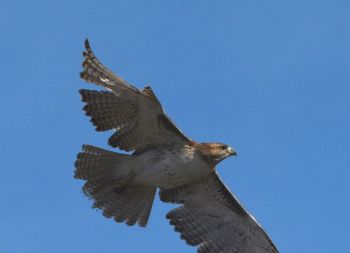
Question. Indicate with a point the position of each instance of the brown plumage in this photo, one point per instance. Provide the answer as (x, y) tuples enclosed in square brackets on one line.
[(123, 186)]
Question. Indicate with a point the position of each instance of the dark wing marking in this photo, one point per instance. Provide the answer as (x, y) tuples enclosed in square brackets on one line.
[(136, 115), (214, 220)]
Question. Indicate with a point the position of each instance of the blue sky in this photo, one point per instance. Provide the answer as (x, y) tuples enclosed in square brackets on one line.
[(270, 78)]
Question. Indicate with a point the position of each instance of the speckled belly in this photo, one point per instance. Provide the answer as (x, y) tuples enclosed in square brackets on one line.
[(167, 169)]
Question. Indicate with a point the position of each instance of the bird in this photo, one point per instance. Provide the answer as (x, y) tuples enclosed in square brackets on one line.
[(159, 156)]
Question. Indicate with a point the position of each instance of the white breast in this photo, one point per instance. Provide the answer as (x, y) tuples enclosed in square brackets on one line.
[(167, 168)]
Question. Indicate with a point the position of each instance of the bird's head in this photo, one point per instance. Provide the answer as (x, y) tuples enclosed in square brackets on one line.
[(215, 152)]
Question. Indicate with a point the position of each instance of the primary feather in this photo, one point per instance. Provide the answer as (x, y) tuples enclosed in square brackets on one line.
[(123, 186)]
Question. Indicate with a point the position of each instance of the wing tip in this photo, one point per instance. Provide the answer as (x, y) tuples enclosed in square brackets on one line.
[(83, 75), (87, 44)]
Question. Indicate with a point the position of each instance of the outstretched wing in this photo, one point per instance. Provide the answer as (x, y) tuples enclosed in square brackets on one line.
[(212, 218), (136, 115)]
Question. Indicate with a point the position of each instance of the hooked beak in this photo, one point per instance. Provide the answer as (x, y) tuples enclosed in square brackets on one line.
[(231, 151)]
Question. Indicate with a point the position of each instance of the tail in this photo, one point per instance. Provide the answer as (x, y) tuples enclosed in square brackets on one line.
[(107, 178)]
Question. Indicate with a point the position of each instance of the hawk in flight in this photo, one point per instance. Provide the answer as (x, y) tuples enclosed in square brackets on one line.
[(123, 186)]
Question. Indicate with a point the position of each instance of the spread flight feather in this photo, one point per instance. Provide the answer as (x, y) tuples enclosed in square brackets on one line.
[(123, 186)]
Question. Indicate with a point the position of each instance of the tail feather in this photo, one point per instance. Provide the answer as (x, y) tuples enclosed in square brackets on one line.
[(120, 201), (96, 164)]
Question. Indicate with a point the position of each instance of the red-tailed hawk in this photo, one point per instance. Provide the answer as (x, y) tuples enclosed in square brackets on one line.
[(123, 186)]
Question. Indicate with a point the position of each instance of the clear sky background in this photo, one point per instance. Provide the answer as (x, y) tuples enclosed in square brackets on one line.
[(270, 78)]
